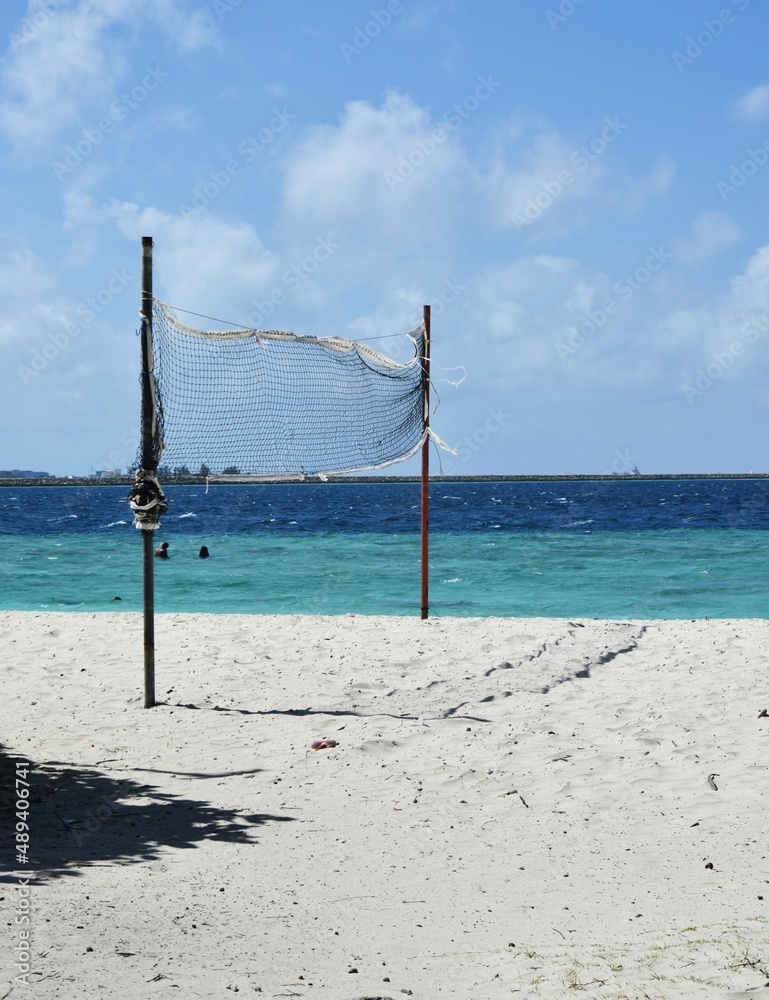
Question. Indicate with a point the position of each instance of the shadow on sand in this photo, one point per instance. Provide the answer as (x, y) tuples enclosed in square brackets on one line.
[(80, 816)]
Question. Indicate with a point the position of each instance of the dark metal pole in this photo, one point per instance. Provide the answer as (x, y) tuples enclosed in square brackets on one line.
[(426, 468), (149, 465)]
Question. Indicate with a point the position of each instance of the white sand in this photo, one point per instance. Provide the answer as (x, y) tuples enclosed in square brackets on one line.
[(514, 808)]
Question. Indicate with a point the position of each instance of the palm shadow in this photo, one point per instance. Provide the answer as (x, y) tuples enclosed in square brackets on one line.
[(79, 817)]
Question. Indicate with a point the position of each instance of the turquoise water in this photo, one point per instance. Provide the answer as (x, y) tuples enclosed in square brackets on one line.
[(657, 573)]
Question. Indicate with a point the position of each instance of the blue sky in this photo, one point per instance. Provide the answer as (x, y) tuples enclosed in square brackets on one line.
[(580, 191)]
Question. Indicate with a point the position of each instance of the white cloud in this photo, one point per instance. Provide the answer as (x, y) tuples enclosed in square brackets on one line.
[(419, 17), (545, 322), (171, 117), (278, 90), (753, 106), (380, 170), (401, 175), (650, 343), (751, 287), (693, 334), (26, 287), (519, 311), (63, 363), (543, 183), (387, 184), (64, 61), (191, 31), (559, 264), (711, 232), (551, 330), (203, 262), (408, 242), (639, 192), (536, 173)]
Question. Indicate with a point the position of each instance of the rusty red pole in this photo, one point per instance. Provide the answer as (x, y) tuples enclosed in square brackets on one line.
[(426, 468)]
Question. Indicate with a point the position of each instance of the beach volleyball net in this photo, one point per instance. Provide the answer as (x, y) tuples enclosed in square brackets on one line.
[(251, 404)]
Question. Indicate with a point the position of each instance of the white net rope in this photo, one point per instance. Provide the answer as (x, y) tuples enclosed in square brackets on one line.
[(256, 403)]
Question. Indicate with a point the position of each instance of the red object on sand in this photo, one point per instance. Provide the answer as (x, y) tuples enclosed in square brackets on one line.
[(323, 744)]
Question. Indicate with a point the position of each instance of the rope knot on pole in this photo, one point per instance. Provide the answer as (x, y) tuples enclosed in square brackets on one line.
[(147, 501)]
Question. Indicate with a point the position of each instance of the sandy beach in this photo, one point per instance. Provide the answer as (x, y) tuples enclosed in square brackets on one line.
[(513, 807)]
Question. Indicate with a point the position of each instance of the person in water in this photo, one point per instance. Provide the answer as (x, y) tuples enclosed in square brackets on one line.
[(204, 553), (162, 550)]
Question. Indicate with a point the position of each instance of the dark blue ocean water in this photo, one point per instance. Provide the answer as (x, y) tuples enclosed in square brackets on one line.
[(618, 548)]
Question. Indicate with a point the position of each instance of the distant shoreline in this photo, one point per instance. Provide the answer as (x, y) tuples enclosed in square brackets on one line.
[(128, 481)]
